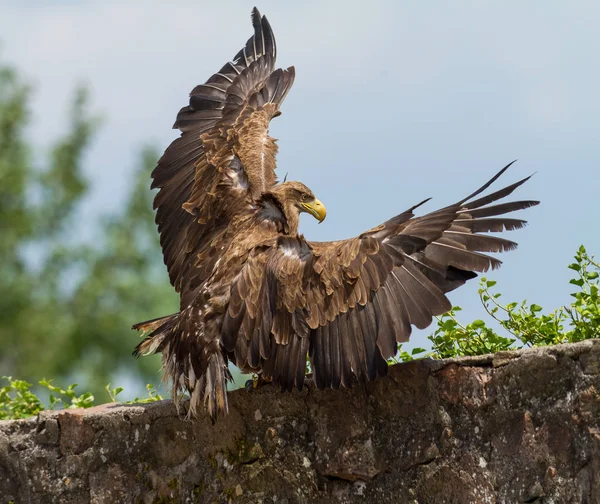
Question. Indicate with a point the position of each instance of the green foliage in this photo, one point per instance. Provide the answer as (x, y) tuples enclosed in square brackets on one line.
[(67, 303), (404, 356), (152, 396), (113, 393), (584, 312), (526, 324), (452, 338), (85, 400), (17, 400)]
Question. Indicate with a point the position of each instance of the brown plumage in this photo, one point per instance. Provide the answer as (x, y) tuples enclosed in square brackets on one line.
[(256, 293)]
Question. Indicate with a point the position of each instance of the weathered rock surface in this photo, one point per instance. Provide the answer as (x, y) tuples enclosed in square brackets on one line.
[(513, 427)]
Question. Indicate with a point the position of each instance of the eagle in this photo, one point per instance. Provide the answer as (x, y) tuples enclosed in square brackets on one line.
[(256, 293)]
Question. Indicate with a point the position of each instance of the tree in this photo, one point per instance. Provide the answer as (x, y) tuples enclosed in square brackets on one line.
[(67, 306)]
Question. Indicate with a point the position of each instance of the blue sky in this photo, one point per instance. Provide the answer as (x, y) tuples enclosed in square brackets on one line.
[(393, 102)]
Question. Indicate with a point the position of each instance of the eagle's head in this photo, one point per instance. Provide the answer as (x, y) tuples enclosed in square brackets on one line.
[(302, 198), (287, 200)]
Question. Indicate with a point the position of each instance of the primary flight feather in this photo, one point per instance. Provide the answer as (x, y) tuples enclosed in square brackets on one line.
[(256, 293)]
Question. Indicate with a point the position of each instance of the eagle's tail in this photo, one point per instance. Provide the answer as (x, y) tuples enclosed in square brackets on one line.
[(189, 361), (211, 387), (159, 329)]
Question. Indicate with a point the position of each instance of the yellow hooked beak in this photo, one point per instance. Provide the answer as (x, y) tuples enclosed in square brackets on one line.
[(316, 209)]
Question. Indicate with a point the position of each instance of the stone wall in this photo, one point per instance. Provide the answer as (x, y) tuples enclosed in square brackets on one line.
[(513, 427)]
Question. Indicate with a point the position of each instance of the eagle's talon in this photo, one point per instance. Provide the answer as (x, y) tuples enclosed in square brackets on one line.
[(249, 385), (256, 382)]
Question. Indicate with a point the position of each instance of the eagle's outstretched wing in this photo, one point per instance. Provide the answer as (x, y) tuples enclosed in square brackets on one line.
[(224, 158), (348, 303)]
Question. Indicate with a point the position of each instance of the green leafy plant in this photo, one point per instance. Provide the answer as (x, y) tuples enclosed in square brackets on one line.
[(404, 356), (113, 393), (452, 338), (584, 312), (17, 400), (152, 396), (526, 324), (69, 398)]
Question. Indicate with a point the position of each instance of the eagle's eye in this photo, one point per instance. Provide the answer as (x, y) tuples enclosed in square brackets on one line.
[(304, 197)]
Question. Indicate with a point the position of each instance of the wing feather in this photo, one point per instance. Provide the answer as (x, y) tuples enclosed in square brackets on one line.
[(336, 357), (206, 176), (355, 299)]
